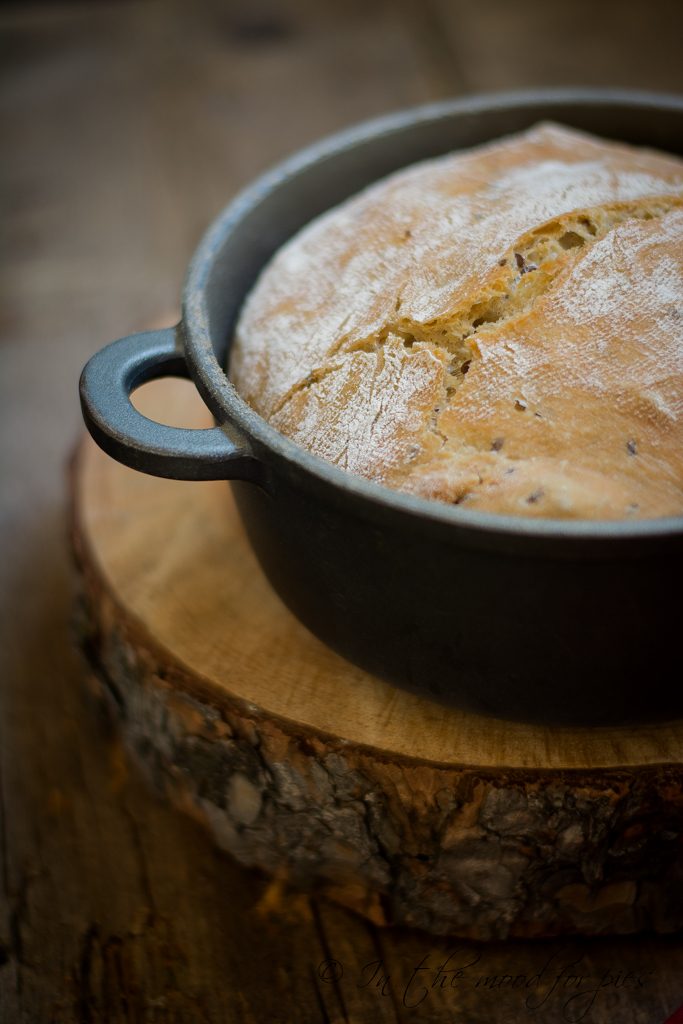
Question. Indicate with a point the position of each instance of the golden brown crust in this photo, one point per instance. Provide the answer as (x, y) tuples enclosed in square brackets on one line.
[(501, 328)]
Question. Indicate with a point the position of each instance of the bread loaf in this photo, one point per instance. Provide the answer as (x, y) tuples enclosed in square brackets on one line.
[(499, 328)]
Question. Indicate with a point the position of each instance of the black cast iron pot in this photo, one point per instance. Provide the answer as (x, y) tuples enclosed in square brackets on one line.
[(544, 620)]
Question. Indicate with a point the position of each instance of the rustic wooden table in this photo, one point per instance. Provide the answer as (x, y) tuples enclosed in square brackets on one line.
[(125, 128)]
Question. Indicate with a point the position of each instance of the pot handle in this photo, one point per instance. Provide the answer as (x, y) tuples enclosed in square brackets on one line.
[(107, 382)]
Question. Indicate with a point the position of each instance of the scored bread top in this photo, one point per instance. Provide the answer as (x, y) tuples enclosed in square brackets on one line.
[(500, 328)]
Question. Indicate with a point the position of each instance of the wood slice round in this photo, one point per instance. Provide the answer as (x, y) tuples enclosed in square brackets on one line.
[(305, 766)]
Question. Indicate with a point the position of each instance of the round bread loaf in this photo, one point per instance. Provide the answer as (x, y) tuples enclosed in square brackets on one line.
[(500, 328)]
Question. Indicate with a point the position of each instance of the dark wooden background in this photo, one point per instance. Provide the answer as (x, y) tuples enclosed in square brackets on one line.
[(125, 127)]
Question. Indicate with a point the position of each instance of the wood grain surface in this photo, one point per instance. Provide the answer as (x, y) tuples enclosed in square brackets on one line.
[(125, 127), (302, 764)]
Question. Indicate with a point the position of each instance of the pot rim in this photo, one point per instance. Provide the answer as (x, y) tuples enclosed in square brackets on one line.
[(237, 417)]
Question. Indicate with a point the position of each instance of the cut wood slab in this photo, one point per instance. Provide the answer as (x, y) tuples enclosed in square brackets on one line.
[(304, 765)]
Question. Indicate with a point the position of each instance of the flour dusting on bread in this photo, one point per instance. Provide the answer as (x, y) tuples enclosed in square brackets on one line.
[(500, 328)]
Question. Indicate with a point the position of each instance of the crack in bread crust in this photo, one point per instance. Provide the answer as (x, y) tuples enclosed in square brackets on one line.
[(522, 274)]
